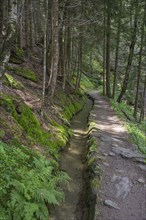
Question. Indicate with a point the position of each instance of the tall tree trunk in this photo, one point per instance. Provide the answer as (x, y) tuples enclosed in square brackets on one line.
[(65, 39), (79, 67), (1, 16), (69, 55), (20, 22), (45, 53), (26, 26), (130, 57), (31, 19), (104, 50), (54, 49), (139, 65), (143, 103), (9, 37), (108, 39), (80, 48), (117, 48)]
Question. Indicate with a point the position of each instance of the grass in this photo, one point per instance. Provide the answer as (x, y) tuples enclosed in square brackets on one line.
[(136, 130)]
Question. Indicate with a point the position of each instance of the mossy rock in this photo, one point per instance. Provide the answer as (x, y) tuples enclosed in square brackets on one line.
[(25, 72), (13, 83)]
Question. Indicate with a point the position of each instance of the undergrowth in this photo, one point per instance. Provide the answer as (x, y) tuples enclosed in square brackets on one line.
[(29, 181), (29, 184), (136, 130)]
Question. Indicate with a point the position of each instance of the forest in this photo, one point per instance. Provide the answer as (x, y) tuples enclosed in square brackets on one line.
[(52, 54)]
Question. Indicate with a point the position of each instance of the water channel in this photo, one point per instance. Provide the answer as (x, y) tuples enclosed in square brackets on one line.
[(72, 161)]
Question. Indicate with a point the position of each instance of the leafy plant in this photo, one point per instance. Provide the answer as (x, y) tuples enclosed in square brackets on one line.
[(29, 184)]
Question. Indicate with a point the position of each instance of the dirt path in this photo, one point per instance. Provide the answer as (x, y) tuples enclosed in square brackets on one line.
[(122, 194), (72, 163)]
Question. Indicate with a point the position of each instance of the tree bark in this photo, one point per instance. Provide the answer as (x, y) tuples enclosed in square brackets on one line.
[(143, 104), (104, 50), (1, 16), (9, 37), (108, 39), (130, 57), (117, 48), (31, 19), (80, 48), (54, 49), (79, 68), (45, 54), (20, 22), (139, 65), (26, 26)]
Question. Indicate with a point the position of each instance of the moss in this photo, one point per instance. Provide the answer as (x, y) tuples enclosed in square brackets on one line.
[(86, 84), (95, 184), (13, 83), (61, 133), (93, 171), (71, 106), (7, 103), (10, 126), (17, 56), (31, 125), (2, 133), (19, 53), (25, 72)]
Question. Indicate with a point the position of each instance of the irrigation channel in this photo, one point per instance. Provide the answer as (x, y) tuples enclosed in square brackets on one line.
[(73, 162)]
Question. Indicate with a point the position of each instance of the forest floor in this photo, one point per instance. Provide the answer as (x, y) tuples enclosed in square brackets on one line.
[(122, 194)]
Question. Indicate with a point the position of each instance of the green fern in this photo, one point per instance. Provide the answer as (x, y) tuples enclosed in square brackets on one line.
[(29, 184)]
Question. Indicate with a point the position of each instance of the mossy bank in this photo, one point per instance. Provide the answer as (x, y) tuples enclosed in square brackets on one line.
[(30, 147)]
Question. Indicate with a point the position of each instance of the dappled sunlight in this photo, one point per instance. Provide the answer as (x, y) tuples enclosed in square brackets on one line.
[(29, 99), (79, 132), (74, 151)]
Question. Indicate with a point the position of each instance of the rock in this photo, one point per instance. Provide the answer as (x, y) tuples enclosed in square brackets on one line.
[(106, 164), (111, 204), (101, 157), (112, 154), (141, 180), (105, 154), (142, 167), (123, 185), (126, 153), (105, 138), (141, 160)]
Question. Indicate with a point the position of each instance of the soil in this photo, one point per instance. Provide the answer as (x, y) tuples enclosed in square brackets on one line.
[(122, 194)]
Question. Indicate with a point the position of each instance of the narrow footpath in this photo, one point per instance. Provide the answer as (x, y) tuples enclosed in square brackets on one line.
[(122, 193)]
